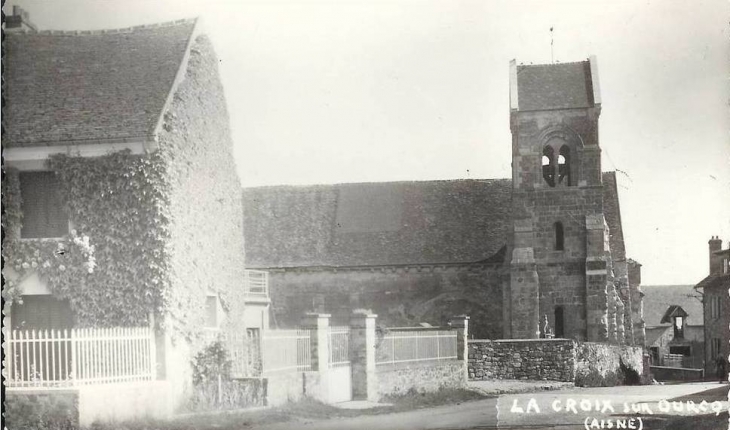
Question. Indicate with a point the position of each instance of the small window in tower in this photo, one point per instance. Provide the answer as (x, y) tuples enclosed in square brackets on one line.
[(559, 236), (548, 165), (559, 322), (564, 166)]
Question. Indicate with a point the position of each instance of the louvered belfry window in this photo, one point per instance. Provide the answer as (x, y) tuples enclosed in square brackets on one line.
[(42, 206)]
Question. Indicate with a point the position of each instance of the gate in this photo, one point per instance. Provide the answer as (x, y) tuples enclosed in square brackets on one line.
[(340, 378)]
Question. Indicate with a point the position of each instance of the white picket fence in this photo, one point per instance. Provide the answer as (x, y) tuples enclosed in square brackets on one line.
[(64, 358), (286, 350), (409, 345)]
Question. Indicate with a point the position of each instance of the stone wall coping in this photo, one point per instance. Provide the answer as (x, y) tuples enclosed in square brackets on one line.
[(389, 367), (520, 340)]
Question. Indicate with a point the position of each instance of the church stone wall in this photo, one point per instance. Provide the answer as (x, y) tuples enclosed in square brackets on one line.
[(400, 296)]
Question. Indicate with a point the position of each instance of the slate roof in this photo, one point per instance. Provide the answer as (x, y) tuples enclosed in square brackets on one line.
[(658, 299), (554, 86), (387, 223), (89, 86), (672, 312), (376, 223)]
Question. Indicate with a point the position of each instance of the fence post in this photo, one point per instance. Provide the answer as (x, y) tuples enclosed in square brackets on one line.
[(362, 357), (153, 347), (461, 324), (74, 363), (319, 324)]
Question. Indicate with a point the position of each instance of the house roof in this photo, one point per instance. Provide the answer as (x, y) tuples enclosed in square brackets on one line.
[(90, 86), (672, 312), (387, 223), (661, 299), (715, 281), (554, 86)]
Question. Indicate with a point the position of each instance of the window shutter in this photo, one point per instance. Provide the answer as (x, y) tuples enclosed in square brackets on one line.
[(42, 206)]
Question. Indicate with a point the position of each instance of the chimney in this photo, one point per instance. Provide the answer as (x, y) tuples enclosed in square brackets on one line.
[(19, 21), (715, 260)]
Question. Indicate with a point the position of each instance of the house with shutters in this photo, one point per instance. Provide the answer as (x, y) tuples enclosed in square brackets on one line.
[(117, 149), (546, 243)]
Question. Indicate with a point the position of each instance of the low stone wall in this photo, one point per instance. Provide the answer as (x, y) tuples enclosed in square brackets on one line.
[(283, 387), (540, 359), (124, 401), (603, 365), (41, 408), (399, 379), (584, 363), (82, 406), (662, 373)]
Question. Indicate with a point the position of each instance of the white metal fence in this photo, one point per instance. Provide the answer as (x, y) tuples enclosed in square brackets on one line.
[(62, 358), (244, 350), (408, 345), (339, 346), (256, 283), (286, 350)]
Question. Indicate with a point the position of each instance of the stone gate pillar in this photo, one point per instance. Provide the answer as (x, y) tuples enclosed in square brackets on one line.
[(362, 357), (461, 324), (319, 324)]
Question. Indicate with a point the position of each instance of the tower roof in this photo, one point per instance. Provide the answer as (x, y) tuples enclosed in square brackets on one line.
[(554, 86)]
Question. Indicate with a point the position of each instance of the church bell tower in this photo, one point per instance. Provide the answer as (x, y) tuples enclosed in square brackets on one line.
[(559, 265)]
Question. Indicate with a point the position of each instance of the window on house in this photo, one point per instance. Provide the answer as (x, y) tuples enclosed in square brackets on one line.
[(211, 311), (548, 165), (559, 236), (681, 350), (714, 307), (678, 327), (564, 165), (559, 322), (41, 312), (42, 207), (725, 266), (714, 348)]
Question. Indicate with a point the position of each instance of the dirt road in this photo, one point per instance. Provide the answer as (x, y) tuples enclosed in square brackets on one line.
[(565, 409)]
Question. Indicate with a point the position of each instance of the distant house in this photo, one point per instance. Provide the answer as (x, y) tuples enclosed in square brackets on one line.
[(674, 325), (716, 304), (118, 153)]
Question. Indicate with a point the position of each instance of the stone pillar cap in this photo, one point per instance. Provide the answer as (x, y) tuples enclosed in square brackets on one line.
[(318, 315)]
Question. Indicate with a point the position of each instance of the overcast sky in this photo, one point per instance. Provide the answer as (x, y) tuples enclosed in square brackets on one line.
[(353, 91)]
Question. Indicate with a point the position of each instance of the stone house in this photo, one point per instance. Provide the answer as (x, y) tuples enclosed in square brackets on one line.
[(117, 149), (507, 252), (716, 304), (674, 325)]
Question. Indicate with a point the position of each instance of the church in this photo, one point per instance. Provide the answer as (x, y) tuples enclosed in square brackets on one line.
[(544, 245)]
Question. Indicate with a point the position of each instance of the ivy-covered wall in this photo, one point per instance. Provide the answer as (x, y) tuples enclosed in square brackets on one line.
[(151, 232), (112, 266), (205, 246)]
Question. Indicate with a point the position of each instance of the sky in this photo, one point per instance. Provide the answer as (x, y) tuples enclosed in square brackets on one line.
[(355, 91)]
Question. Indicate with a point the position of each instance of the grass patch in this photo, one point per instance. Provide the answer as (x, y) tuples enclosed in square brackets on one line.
[(305, 410)]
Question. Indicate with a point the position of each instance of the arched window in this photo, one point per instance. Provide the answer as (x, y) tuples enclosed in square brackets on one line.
[(564, 165), (548, 165), (559, 236), (559, 322)]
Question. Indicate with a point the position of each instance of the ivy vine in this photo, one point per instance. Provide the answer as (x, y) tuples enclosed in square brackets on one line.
[(112, 266)]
